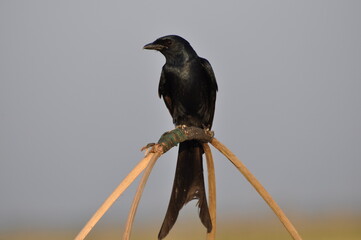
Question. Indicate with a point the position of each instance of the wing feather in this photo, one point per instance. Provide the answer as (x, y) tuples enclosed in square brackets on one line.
[(212, 91), (164, 92)]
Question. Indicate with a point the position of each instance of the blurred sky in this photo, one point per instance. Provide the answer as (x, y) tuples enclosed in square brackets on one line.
[(78, 98)]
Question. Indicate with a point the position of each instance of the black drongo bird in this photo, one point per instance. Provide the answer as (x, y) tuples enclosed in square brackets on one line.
[(188, 87)]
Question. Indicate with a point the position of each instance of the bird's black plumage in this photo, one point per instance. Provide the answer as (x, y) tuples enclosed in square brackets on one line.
[(188, 87)]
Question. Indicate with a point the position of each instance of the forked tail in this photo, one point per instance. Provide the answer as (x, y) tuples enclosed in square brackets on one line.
[(188, 185)]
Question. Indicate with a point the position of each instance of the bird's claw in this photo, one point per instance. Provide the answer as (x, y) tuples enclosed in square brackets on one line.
[(181, 126), (209, 132)]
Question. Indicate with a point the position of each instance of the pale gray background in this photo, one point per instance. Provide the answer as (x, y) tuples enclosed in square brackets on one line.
[(78, 98)]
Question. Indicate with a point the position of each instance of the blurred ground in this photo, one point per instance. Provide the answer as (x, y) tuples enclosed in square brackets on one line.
[(317, 228)]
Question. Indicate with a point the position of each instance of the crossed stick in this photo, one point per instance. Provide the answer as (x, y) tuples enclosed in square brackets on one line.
[(167, 141)]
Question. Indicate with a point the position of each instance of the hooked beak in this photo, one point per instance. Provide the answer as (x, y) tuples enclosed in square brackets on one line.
[(154, 46)]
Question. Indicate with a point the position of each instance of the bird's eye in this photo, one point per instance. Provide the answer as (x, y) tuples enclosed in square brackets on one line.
[(168, 42)]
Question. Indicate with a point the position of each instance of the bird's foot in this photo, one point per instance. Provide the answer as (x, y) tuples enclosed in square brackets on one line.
[(204, 133), (208, 132)]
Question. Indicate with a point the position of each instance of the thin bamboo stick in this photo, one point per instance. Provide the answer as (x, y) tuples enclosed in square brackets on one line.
[(211, 190), (138, 195), (114, 196), (259, 188)]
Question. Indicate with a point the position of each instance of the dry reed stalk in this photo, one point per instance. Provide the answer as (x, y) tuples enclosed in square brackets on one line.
[(114, 196), (149, 162), (259, 188), (133, 209), (211, 190)]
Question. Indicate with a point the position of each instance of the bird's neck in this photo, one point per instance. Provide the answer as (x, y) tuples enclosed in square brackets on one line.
[(181, 58)]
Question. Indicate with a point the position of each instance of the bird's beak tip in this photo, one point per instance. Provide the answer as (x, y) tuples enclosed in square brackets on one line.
[(147, 46), (152, 46)]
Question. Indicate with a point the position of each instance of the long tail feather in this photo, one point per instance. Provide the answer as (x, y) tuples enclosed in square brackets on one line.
[(188, 185)]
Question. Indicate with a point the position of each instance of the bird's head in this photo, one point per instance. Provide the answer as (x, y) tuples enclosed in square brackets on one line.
[(173, 47)]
